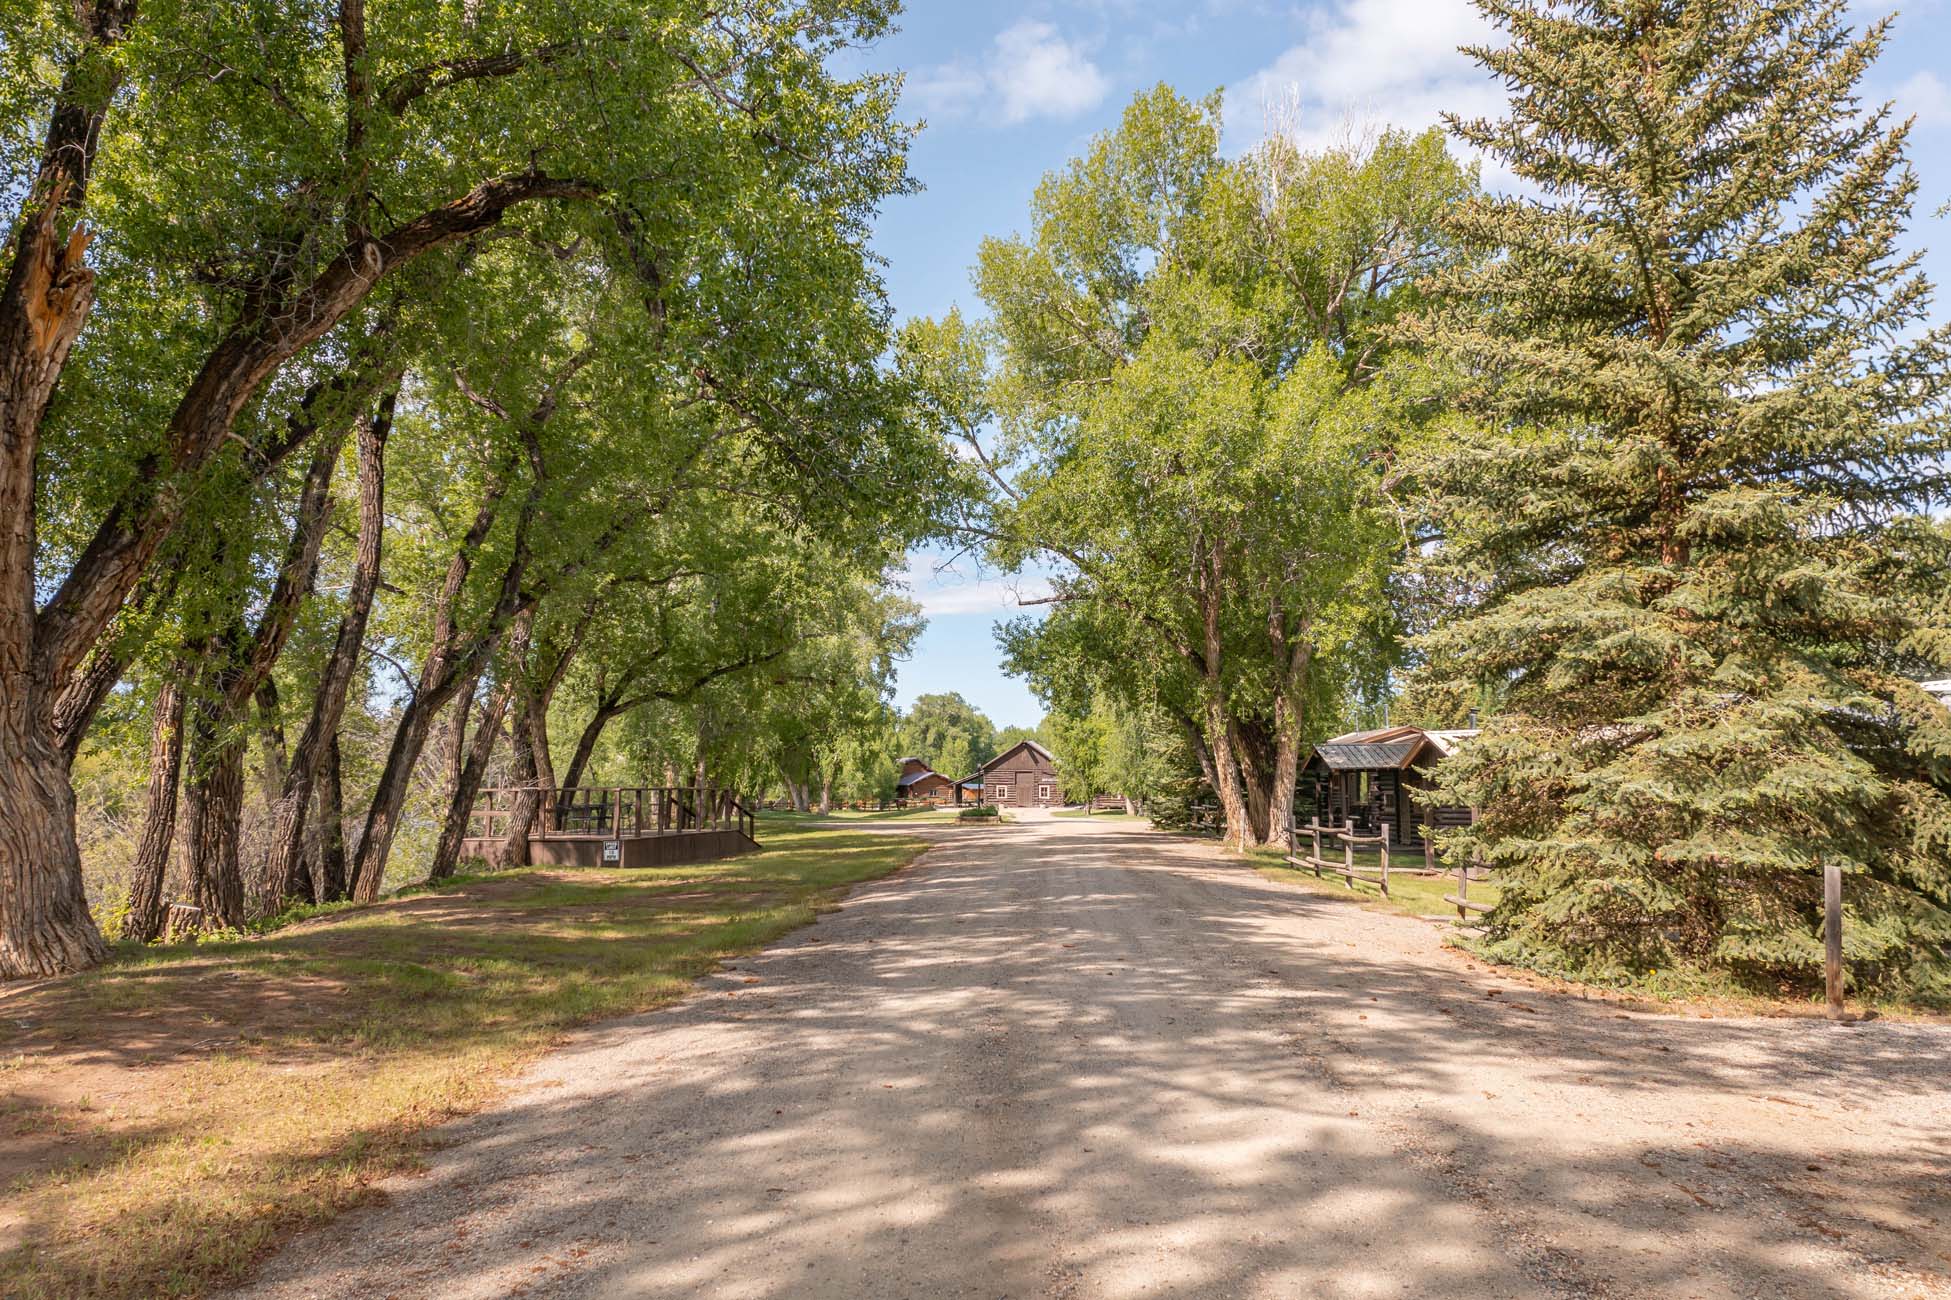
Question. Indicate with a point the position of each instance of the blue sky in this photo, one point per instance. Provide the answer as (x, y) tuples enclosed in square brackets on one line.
[(1013, 90)]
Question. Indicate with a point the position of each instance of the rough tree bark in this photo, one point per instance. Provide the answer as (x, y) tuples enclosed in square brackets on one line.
[(467, 783), (238, 660), (144, 921), (45, 927), (327, 843)]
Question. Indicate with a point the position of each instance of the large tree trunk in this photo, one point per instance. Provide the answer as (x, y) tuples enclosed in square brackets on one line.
[(285, 868), (1290, 724), (528, 803), (1255, 758), (467, 784), (45, 927), (146, 913), (214, 799), (1226, 772), (238, 662), (327, 843), (826, 794), (273, 761)]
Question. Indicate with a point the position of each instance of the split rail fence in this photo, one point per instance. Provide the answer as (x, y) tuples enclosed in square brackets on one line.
[(1390, 858)]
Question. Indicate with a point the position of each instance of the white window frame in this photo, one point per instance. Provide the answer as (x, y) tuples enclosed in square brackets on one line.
[(1043, 794), (1002, 793)]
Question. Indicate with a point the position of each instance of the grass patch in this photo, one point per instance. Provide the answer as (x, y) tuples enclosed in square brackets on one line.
[(1409, 895), (265, 1082), (946, 814)]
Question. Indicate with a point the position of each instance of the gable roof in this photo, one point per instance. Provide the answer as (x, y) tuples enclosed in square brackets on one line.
[(1043, 753), (913, 777), (1389, 748)]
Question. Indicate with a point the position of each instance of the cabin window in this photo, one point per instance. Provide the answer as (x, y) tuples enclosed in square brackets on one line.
[(1043, 794), (1002, 793)]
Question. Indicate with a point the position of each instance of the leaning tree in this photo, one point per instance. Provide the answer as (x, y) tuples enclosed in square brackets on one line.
[(212, 209)]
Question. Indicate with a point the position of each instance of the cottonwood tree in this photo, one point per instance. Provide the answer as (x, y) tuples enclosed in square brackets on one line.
[(1197, 402), (205, 202), (1680, 536)]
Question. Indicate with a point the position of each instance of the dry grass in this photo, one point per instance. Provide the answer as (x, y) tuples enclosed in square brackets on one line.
[(169, 1118)]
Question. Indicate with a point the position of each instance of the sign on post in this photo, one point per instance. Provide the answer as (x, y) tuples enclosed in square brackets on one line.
[(612, 851)]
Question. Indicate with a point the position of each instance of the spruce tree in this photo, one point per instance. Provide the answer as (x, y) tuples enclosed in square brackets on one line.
[(1683, 530)]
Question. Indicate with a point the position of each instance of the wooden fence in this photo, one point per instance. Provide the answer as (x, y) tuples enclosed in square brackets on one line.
[(610, 812), (1390, 857)]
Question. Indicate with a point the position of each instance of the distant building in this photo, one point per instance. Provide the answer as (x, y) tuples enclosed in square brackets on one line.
[(1941, 689), (1376, 779), (920, 783), (1022, 776)]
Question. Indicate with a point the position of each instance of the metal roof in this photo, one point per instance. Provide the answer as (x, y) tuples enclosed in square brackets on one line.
[(1387, 749), (1346, 757), (913, 777)]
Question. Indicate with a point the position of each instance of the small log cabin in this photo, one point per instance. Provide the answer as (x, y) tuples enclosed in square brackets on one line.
[(1022, 776), (1377, 780), (920, 783)]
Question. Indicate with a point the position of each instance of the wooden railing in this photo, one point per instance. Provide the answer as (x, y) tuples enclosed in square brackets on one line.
[(611, 812), (1390, 858)]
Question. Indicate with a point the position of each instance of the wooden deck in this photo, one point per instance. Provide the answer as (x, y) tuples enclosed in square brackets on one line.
[(618, 826)]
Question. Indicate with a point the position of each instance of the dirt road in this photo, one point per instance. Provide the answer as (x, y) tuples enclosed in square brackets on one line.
[(1071, 1059)]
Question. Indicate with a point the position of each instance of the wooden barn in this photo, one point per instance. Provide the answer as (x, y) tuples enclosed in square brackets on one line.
[(920, 783), (1374, 780), (1022, 776)]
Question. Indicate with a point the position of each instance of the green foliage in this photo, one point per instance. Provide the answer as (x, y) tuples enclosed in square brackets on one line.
[(948, 733), (1197, 399), (1676, 532)]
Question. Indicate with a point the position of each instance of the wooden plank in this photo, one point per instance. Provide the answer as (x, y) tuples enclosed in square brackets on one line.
[(1462, 903), (1832, 937)]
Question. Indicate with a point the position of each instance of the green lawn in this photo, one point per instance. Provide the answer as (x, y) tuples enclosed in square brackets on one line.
[(263, 1083), (1412, 895), (851, 815)]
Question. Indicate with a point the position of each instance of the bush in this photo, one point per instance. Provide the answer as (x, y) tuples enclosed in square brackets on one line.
[(982, 812)]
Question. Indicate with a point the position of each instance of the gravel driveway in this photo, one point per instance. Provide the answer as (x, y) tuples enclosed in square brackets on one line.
[(1076, 1059)]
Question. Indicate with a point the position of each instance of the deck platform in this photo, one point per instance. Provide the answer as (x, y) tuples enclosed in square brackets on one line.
[(618, 826)]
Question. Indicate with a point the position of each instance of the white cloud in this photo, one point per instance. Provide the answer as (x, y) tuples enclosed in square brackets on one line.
[(962, 587), (1040, 74), (1366, 64), (1031, 71), (1925, 96)]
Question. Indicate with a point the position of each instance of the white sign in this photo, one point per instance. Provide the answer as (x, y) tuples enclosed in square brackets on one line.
[(612, 850)]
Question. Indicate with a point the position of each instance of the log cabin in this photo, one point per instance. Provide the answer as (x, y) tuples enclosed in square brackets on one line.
[(920, 783), (1378, 780), (1022, 776)]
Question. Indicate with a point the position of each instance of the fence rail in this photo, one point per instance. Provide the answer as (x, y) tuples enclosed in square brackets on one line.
[(1389, 857), (612, 812)]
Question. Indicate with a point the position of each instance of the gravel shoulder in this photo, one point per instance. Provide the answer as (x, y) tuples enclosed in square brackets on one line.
[(1074, 1059)]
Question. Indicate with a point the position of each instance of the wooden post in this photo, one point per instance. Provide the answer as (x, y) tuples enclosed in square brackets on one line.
[(1462, 887), (1429, 838), (1314, 826), (1832, 936), (1385, 861), (1348, 853)]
